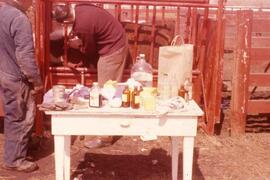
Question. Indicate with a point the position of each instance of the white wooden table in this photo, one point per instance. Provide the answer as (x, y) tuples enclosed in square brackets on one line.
[(125, 121)]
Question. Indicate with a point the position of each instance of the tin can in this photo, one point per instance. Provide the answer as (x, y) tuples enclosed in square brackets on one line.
[(58, 93)]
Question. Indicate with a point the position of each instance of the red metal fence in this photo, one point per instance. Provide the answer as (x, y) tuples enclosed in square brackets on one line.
[(247, 77), (191, 19)]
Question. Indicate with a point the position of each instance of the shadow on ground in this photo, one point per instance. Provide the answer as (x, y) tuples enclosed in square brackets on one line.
[(155, 165)]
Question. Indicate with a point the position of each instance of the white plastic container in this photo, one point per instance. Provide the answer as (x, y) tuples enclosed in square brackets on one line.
[(95, 96)]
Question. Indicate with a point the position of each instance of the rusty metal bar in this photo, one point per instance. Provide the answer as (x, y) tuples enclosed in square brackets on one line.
[(118, 12), (132, 13), (177, 23), (65, 43), (153, 35), (219, 58), (194, 26), (259, 79), (149, 3), (136, 32), (216, 76), (147, 14), (187, 29), (258, 106), (163, 14), (240, 79)]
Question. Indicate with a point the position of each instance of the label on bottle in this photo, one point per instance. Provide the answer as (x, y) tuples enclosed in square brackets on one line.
[(94, 100), (124, 97), (137, 99)]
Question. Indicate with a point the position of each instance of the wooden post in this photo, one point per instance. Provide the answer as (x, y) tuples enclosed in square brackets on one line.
[(240, 80)]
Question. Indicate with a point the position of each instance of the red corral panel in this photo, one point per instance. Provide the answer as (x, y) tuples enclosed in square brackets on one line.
[(149, 25), (1, 108)]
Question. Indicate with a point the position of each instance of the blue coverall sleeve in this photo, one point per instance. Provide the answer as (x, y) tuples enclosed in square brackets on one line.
[(21, 31)]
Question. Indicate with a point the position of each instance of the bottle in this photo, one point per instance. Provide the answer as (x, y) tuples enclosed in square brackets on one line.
[(135, 98), (182, 92), (95, 96), (188, 88), (126, 97), (164, 86), (173, 86), (142, 71)]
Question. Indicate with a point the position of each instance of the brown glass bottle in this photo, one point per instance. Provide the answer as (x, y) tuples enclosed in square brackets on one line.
[(126, 97), (135, 102), (182, 92)]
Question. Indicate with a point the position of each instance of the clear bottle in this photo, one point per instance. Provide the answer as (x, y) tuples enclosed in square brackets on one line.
[(95, 96), (188, 88), (173, 86), (142, 71), (164, 86)]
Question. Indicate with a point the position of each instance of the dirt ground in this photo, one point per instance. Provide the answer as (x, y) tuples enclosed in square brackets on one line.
[(218, 157)]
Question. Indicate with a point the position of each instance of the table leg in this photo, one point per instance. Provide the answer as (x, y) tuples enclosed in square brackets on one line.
[(62, 157), (59, 144), (188, 145), (175, 154), (67, 157)]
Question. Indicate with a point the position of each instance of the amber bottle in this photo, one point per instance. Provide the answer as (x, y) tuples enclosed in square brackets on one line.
[(126, 97), (182, 92), (135, 96)]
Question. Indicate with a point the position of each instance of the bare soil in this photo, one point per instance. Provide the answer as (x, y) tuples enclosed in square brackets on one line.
[(218, 157)]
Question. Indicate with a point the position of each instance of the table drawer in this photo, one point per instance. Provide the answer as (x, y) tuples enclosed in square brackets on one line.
[(68, 125)]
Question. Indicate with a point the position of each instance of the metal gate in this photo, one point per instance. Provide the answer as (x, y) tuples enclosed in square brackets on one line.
[(197, 21)]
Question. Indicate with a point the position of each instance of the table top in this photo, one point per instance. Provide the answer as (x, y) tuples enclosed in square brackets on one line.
[(190, 109)]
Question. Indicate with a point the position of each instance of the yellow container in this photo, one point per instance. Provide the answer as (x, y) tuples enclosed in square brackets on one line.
[(148, 98)]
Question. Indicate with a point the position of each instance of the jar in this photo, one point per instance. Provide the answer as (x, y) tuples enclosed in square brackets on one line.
[(142, 71), (148, 98), (59, 93)]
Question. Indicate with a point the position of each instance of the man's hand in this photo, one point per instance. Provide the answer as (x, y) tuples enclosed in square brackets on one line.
[(75, 43), (37, 90)]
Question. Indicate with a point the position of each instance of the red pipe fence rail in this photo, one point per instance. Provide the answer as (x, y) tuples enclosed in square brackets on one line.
[(144, 22)]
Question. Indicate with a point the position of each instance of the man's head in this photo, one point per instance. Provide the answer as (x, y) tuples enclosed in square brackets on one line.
[(25, 4), (60, 12)]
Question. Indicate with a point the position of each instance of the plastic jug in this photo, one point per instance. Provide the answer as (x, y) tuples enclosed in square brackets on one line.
[(142, 71)]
